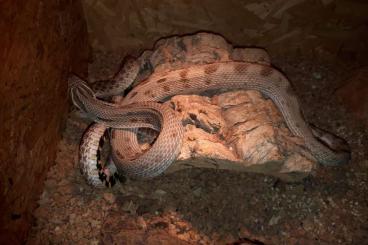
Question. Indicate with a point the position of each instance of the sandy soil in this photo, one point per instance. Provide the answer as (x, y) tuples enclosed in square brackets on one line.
[(219, 207)]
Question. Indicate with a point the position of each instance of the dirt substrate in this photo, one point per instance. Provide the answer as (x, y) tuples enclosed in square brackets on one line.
[(219, 207)]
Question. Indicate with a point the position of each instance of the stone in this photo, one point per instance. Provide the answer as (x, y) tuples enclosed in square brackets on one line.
[(239, 131), (274, 220), (109, 197), (129, 206), (197, 192), (157, 194), (141, 222)]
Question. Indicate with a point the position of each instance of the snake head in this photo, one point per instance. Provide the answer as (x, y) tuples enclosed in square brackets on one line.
[(335, 143)]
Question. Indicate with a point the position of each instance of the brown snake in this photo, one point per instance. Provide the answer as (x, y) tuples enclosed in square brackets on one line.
[(140, 108)]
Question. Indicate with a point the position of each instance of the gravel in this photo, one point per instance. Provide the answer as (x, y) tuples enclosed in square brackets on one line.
[(203, 206)]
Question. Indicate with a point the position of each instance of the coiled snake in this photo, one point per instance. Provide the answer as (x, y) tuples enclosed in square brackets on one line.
[(140, 108)]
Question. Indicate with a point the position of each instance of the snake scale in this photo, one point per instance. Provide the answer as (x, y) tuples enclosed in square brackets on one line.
[(141, 108)]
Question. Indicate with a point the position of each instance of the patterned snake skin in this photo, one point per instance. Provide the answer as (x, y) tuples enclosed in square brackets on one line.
[(96, 174), (140, 109)]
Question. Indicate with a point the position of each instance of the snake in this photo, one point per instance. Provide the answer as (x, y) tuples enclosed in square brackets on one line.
[(143, 107)]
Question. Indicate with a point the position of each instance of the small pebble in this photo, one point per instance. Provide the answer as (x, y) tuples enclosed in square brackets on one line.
[(197, 192), (109, 197), (317, 75)]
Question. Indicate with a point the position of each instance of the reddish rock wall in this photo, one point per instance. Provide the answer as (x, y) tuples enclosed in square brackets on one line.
[(314, 28), (41, 41)]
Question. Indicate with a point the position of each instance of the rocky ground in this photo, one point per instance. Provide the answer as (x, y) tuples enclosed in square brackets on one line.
[(202, 206)]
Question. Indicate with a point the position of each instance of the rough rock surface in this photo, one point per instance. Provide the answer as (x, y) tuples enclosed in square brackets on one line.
[(239, 131), (40, 42), (335, 27)]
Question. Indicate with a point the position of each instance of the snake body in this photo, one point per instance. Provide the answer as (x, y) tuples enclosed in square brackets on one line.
[(140, 108), (143, 114), (90, 165), (237, 75)]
